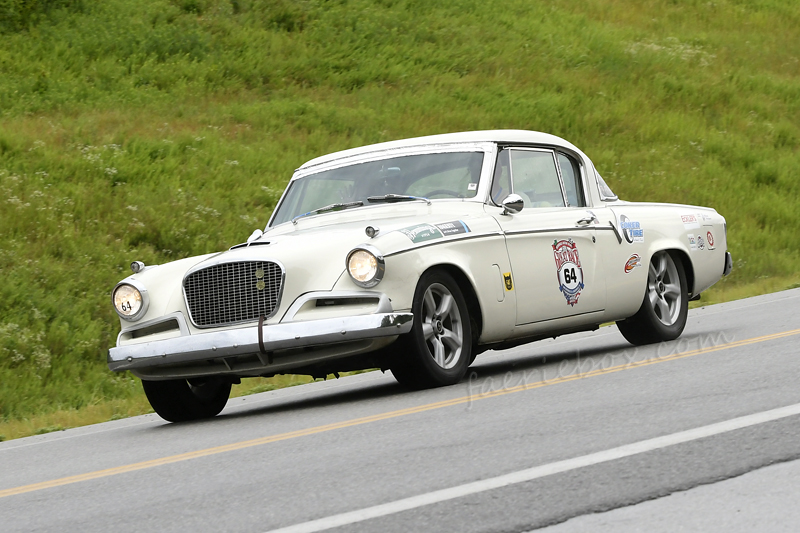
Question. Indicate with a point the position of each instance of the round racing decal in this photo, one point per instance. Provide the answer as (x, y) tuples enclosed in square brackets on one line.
[(568, 269), (633, 262)]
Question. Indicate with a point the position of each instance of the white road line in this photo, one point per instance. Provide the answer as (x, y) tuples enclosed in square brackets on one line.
[(736, 305), (234, 405), (72, 433), (530, 474)]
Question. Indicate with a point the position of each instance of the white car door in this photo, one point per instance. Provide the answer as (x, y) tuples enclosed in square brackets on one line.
[(552, 243)]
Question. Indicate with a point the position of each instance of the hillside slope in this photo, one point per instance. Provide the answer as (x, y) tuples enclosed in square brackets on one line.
[(158, 129)]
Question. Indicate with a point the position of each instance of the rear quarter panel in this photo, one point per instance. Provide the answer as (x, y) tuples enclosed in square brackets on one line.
[(697, 234)]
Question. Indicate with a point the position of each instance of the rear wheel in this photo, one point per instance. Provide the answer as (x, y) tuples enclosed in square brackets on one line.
[(438, 349), (665, 307), (180, 400)]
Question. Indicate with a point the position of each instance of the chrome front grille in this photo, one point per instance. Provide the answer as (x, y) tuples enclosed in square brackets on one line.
[(231, 293)]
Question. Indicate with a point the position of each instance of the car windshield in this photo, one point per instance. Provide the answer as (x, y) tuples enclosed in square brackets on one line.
[(403, 178)]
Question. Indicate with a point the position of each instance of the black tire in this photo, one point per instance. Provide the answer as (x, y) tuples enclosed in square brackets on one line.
[(665, 307), (437, 350), (179, 400)]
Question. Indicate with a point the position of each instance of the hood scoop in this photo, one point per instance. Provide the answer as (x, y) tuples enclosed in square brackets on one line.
[(252, 240), (247, 244)]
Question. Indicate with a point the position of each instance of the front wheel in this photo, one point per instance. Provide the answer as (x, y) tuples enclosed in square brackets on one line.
[(180, 400), (438, 349), (665, 307)]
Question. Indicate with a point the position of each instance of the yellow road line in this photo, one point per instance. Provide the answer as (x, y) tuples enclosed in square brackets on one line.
[(376, 418)]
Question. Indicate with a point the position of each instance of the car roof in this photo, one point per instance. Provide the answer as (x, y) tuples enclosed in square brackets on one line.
[(498, 136)]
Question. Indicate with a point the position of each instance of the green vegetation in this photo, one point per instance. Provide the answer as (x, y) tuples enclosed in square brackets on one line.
[(159, 129)]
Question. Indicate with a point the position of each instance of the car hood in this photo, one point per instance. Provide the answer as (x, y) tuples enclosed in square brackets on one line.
[(345, 230)]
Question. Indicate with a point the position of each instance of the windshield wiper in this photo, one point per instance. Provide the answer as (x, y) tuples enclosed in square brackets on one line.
[(391, 198), (331, 207)]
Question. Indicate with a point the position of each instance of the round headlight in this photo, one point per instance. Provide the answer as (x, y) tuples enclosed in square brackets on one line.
[(129, 301), (365, 266)]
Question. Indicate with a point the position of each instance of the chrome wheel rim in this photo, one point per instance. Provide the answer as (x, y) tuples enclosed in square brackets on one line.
[(664, 288), (442, 327)]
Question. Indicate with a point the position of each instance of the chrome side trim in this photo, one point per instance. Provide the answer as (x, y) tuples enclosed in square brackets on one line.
[(564, 229), (616, 231), (555, 230), (447, 240), (556, 320), (241, 342)]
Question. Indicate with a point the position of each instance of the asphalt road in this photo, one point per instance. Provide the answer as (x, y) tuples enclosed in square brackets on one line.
[(536, 436)]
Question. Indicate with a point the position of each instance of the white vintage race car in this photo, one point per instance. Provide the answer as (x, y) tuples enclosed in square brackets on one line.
[(414, 256)]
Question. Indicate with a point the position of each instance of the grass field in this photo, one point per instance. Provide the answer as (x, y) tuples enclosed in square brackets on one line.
[(158, 129)]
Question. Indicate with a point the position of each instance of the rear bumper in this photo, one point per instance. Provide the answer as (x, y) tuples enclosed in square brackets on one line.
[(728, 264), (204, 349)]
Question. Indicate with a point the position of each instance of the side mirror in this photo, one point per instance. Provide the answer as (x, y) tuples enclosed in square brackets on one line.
[(513, 204)]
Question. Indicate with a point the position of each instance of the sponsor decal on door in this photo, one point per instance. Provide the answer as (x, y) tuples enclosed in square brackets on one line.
[(568, 270), (631, 230)]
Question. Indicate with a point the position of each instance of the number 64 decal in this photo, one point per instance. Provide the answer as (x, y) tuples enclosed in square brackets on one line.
[(568, 270)]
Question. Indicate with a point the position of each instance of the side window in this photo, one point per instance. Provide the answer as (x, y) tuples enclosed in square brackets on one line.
[(501, 184), (606, 194), (571, 175), (535, 178)]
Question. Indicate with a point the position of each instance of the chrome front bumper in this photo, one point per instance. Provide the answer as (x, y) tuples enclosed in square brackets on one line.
[(242, 342)]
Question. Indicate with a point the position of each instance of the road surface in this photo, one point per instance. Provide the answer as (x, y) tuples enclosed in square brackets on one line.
[(548, 434)]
